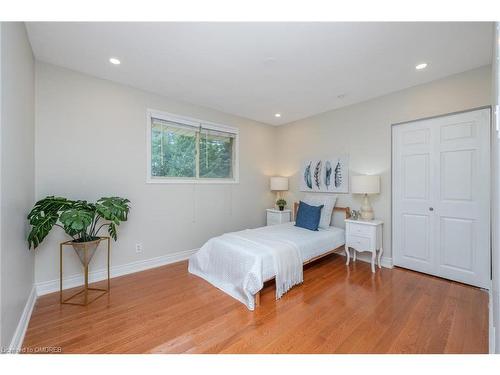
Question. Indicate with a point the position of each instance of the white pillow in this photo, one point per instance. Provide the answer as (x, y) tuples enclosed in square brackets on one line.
[(328, 202)]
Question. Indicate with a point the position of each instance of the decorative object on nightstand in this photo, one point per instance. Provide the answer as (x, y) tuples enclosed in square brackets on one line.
[(355, 215), (365, 185), (279, 184), (281, 203), (278, 217), (364, 235)]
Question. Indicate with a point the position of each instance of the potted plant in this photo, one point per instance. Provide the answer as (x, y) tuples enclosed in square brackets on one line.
[(281, 203), (81, 220)]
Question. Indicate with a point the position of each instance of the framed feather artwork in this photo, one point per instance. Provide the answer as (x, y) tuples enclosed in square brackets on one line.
[(325, 175)]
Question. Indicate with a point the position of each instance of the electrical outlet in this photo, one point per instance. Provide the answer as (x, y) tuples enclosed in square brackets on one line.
[(138, 247)]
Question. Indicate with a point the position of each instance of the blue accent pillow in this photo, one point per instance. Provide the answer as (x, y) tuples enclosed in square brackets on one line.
[(308, 216)]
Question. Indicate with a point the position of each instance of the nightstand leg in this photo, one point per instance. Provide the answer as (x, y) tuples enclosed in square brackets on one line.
[(354, 255), (373, 260), (380, 256), (347, 254)]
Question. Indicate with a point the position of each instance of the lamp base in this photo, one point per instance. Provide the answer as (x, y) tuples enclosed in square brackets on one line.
[(367, 210)]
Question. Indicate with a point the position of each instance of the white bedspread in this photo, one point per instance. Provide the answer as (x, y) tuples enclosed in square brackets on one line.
[(233, 262), (238, 263), (285, 254)]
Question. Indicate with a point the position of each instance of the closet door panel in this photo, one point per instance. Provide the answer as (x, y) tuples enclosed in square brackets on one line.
[(412, 220), (462, 205)]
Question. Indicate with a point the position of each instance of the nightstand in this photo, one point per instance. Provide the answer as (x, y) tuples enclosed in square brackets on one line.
[(364, 235), (278, 217)]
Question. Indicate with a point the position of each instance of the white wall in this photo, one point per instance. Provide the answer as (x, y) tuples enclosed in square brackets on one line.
[(17, 174), (364, 132), (91, 142)]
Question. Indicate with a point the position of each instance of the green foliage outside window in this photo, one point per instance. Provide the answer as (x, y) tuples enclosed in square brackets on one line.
[(216, 157), (173, 154), (176, 151)]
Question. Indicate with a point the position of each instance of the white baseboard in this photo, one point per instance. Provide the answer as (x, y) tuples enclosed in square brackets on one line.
[(72, 281), (18, 338)]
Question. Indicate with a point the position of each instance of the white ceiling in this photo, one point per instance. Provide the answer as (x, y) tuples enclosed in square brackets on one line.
[(255, 70)]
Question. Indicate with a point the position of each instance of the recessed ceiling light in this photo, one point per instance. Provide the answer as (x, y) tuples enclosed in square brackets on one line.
[(421, 66), (114, 61), (277, 115)]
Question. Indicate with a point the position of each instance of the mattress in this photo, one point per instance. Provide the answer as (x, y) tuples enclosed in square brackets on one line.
[(310, 243)]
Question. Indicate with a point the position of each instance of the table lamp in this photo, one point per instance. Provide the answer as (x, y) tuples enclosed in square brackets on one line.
[(279, 184), (365, 185)]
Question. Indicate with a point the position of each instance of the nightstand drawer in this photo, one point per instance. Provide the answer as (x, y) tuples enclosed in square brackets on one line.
[(359, 243), (361, 229), (275, 217)]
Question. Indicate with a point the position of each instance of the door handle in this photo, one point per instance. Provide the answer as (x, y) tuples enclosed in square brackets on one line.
[(431, 209)]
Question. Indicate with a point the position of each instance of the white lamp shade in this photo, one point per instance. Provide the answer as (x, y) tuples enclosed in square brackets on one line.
[(365, 184), (279, 183)]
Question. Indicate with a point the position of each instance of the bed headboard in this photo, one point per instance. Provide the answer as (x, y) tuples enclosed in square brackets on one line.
[(345, 210)]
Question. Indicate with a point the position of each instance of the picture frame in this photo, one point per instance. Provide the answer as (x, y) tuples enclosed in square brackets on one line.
[(329, 175)]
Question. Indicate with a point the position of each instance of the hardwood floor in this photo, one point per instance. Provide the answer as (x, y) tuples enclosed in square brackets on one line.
[(338, 309)]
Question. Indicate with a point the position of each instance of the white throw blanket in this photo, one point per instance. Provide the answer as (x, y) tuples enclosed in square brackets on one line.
[(233, 263)]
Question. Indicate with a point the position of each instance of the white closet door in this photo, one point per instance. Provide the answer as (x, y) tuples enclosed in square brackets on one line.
[(441, 216), (413, 173)]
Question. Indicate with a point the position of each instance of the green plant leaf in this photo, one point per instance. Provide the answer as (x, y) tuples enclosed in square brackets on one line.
[(76, 221), (113, 208), (43, 216), (48, 205), (41, 228)]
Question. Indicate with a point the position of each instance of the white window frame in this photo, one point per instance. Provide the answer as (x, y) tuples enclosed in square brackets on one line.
[(151, 113)]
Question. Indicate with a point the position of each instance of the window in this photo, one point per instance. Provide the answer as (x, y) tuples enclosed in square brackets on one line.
[(181, 149)]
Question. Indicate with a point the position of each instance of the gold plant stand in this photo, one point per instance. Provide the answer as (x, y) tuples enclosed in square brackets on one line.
[(85, 258)]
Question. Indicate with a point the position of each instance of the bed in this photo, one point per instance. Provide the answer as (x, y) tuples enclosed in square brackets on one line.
[(239, 263)]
